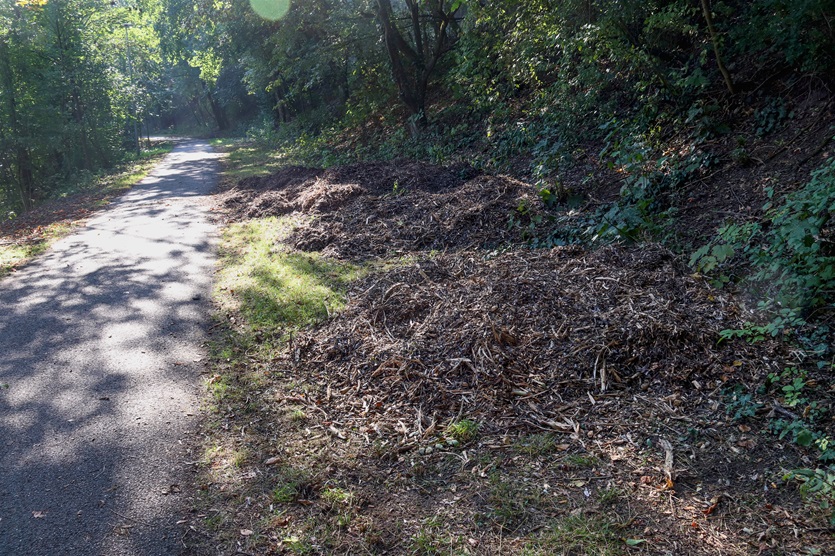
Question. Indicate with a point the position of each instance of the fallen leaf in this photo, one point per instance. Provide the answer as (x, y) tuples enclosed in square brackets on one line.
[(635, 542), (714, 502), (281, 521), (272, 461)]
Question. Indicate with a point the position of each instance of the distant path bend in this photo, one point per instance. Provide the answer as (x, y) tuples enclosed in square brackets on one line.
[(100, 356)]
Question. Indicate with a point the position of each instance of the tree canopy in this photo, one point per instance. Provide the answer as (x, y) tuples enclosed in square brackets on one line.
[(79, 79)]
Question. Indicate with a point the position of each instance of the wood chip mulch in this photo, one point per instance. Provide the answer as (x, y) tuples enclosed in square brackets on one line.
[(509, 339), (613, 352), (377, 210)]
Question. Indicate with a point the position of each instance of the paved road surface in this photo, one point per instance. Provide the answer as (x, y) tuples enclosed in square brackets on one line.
[(99, 374)]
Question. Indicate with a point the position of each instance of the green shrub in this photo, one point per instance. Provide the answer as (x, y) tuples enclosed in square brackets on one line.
[(790, 254)]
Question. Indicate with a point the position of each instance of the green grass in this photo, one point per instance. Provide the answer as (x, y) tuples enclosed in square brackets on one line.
[(245, 159), (239, 457), (510, 502), (610, 495), (579, 461), (274, 290), (579, 534), (298, 416), (292, 483), (336, 497), (537, 444), (433, 538), (12, 256), (463, 431)]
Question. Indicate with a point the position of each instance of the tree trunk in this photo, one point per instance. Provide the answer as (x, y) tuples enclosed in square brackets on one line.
[(397, 48), (23, 160), (217, 110), (413, 65), (714, 38)]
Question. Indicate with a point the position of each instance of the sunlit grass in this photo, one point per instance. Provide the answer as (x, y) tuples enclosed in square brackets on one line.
[(274, 289), (245, 159), (12, 256)]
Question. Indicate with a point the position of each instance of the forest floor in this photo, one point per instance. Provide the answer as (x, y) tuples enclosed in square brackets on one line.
[(397, 372)]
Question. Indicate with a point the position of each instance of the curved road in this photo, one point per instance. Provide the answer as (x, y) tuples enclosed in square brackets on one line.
[(101, 348)]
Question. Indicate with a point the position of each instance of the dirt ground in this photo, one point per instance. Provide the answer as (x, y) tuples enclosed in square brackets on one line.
[(480, 397)]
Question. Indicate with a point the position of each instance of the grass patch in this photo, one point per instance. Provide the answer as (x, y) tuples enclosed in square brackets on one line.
[(245, 159), (539, 444), (580, 461), (117, 180), (433, 538), (510, 502), (579, 534), (12, 256), (463, 431), (276, 291), (335, 497), (610, 495), (292, 484)]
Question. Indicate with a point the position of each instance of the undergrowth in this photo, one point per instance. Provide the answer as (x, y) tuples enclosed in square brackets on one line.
[(786, 261)]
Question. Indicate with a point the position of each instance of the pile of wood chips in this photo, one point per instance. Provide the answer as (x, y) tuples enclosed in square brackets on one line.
[(507, 337), (378, 210), (511, 340)]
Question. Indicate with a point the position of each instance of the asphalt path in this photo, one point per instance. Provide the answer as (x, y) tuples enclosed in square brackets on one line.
[(101, 348)]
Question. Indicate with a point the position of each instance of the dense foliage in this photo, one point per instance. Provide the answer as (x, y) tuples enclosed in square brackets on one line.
[(533, 86)]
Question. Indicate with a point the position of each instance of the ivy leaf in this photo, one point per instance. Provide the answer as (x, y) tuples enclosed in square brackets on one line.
[(804, 438)]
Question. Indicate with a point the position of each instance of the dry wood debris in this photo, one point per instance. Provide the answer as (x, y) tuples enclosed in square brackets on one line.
[(378, 210), (508, 340), (609, 355)]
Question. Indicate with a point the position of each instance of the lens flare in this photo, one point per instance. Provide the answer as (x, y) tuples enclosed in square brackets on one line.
[(270, 9)]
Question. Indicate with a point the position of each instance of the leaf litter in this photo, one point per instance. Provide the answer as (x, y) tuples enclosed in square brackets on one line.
[(593, 381)]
